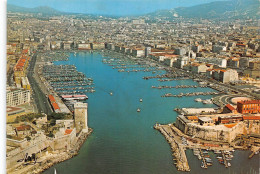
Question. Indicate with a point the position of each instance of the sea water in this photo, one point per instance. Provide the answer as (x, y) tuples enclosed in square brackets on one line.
[(123, 140)]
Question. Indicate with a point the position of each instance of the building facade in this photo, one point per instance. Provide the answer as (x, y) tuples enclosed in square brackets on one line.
[(252, 106), (17, 96)]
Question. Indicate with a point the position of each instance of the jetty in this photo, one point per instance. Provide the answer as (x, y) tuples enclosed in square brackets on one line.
[(177, 148), (190, 94), (179, 86), (66, 80)]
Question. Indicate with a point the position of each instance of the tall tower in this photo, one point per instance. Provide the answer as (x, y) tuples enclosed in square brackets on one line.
[(81, 116)]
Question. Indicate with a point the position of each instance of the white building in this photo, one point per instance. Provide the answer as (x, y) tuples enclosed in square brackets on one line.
[(17, 96), (215, 61)]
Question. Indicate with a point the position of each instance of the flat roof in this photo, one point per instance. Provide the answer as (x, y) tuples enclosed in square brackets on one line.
[(205, 119)]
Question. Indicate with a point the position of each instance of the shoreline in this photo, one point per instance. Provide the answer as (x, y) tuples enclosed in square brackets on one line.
[(52, 159)]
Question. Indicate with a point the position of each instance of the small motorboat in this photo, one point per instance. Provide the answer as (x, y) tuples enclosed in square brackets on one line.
[(141, 100), (138, 110)]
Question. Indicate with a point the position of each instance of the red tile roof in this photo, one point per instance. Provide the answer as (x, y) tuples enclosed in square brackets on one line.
[(251, 117), (230, 125), (67, 131), (51, 98), (55, 106), (249, 102), (23, 128), (230, 107)]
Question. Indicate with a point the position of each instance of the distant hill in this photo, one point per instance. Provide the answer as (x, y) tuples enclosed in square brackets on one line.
[(42, 9), (218, 9), (232, 9)]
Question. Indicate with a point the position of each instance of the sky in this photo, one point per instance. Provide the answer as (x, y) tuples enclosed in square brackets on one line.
[(109, 7)]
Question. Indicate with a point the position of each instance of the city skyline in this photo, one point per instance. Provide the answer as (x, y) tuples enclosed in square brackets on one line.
[(110, 7)]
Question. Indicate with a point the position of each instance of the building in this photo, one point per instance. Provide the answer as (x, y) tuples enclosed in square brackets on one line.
[(81, 116), (97, 46), (67, 45), (180, 51), (243, 62), (148, 51), (54, 104), (181, 62), (138, 52), (229, 75), (138, 21), (218, 48), (13, 112), (254, 65), (198, 68), (110, 46), (230, 119), (17, 96), (84, 46), (196, 48), (229, 109), (233, 63), (215, 61), (25, 83), (205, 121), (251, 106)]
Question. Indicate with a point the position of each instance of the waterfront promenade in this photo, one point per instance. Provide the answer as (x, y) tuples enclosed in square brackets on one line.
[(39, 96)]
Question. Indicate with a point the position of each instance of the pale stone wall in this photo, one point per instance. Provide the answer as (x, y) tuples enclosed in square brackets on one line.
[(81, 116), (34, 147), (65, 141), (16, 143), (211, 133)]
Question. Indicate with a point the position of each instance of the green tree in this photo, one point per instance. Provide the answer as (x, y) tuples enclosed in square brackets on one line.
[(28, 138)]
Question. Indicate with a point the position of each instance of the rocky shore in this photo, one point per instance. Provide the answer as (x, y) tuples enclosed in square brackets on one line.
[(51, 159)]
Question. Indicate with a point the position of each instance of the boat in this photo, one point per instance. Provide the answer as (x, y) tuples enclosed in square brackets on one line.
[(55, 172), (111, 93), (198, 100), (208, 101), (229, 164), (138, 110), (74, 97), (141, 100)]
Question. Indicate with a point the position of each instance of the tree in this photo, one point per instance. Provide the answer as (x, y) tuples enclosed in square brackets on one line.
[(52, 122), (50, 134), (28, 138)]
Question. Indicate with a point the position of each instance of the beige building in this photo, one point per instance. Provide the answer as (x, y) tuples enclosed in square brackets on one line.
[(17, 96)]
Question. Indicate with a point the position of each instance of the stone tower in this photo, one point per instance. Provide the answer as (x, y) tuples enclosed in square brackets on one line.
[(81, 116)]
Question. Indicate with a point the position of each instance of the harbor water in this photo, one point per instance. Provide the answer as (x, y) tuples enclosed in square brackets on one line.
[(123, 140)]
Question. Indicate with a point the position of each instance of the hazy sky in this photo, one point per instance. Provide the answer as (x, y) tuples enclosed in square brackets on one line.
[(111, 7)]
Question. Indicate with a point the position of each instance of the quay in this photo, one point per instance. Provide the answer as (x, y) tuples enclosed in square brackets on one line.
[(224, 159), (179, 142), (180, 86), (167, 80), (190, 94), (205, 166), (177, 148)]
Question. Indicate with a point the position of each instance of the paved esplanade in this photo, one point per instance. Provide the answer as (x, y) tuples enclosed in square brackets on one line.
[(38, 96)]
